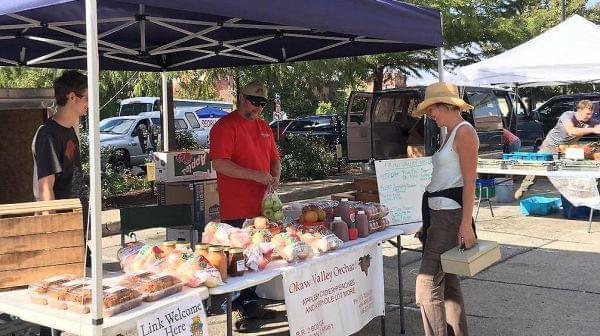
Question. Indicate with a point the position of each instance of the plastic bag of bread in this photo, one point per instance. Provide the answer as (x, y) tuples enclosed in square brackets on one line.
[(197, 271), (261, 236), (127, 254), (147, 258), (241, 238), (320, 239), (172, 262), (217, 233), (258, 256)]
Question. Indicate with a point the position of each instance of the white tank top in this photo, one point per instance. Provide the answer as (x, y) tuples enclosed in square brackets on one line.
[(446, 173)]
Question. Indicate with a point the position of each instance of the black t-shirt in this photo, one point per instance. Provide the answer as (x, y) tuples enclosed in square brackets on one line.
[(56, 152)]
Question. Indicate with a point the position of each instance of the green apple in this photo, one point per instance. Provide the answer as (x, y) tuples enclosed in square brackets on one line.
[(277, 205), (267, 213), (278, 215), (267, 203)]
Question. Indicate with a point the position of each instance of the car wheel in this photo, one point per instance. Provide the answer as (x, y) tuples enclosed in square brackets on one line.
[(536, 145)]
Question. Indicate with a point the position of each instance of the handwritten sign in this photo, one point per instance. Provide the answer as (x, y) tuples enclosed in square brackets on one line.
[(401, 183), (336, 296), (186, 318)]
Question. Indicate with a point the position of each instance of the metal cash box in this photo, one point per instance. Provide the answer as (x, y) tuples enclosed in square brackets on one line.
[(472, 261)]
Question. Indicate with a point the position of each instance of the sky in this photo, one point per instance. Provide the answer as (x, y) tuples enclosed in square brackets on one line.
[(592, 2)]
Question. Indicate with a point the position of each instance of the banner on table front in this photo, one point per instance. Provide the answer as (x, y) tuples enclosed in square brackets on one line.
[(335, 296), (185, 318)]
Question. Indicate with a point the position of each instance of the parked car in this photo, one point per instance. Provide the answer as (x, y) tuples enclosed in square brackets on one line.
[(330, 127), (549, 112), (380, 125), (279, 126), (124, 134)]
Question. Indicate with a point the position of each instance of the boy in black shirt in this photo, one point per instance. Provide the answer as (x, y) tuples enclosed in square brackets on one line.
[(57, 165), (56, 146)]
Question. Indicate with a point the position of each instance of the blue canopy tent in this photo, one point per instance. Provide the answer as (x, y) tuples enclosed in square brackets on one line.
[(210, 112), (161, 35), (158, 35)]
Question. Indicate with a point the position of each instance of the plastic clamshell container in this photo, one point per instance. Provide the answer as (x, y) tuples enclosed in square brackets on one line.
[(57, 294), (134, 299), (134, 279), (159, 286), (37, 292)]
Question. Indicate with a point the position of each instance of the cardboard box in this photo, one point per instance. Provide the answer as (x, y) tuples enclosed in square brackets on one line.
[(202, 195), (471, 261), (183, 166), (183, 233), (34, 247)]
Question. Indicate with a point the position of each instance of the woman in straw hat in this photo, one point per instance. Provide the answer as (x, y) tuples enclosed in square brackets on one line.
[(447, 211)]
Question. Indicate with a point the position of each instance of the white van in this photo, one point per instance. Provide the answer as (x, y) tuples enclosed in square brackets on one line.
[(137, 105)]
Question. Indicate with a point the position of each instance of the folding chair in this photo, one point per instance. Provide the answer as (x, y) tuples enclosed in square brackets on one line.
[(155, 216)]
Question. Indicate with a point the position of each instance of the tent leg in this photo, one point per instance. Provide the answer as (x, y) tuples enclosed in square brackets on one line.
[(95, 203), (440, 52), (590, 222)]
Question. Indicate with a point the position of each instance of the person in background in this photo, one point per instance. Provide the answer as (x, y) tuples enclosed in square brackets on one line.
[(57, 166), (447, 211), (247, 161), (571, 126), (512, 143)]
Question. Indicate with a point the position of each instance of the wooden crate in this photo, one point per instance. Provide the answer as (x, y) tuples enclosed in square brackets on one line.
[(34, 246), (366, 189), (366, 184)]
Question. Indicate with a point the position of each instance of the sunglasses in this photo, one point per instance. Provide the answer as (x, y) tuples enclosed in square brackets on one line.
[(257, 101)]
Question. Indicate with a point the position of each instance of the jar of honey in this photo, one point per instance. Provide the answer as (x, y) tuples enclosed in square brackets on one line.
[(201, 249), (168, 246), (237, 262), (217, 258), (183, 245)]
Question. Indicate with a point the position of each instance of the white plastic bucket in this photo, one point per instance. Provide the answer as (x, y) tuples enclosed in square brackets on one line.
[(504, 190)]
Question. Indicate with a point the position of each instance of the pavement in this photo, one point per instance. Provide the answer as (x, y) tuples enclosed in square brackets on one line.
[(547, 282)]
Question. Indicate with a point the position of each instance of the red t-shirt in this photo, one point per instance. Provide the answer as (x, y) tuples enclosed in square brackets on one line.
[(249, 144), (508, 137)]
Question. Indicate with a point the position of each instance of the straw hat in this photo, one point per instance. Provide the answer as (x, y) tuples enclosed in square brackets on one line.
[(255, 89), (441, 93)]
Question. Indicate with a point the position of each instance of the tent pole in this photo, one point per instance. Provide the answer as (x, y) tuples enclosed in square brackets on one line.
[(440, 63), (167, 114), (91, 29), (510, 120), (440, 51)]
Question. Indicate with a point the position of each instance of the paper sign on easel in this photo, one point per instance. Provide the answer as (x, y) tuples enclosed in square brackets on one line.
[(186, 318)]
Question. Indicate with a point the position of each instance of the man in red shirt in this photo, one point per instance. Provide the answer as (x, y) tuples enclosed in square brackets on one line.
[(244, 154)]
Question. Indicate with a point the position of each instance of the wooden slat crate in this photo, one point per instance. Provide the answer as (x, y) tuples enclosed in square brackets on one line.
[(35, 244), (366, 189)]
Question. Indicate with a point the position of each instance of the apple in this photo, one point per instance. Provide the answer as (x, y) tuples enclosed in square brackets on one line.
[(267, 203), (278, 215), (261, 222), (277, 205), (267, 213)]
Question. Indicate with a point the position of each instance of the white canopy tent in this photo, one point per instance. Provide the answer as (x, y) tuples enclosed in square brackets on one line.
[(566, 53)]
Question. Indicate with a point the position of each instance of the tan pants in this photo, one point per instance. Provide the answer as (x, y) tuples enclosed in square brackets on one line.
[(438, 294)]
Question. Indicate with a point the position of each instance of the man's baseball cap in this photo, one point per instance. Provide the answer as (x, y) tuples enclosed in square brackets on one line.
[(255, 89)]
